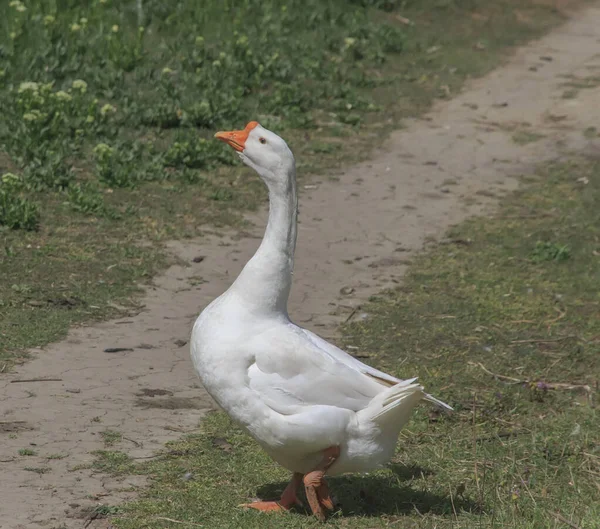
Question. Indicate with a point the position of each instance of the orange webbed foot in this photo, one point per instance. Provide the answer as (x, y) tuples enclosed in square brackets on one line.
[(265, 506)]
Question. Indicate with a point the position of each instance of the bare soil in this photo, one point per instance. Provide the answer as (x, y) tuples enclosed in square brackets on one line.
[(356, 237)]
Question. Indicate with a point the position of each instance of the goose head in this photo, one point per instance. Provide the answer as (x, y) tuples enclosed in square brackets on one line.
[(263, 150)]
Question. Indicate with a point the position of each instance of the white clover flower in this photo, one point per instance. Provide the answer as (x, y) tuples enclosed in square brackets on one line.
[(10, 179), (75, 27), (34, 115), (115, 28), (107, 109), (18, 5), (90, 119), (167, 70), (80, 84), (61, 95), (49, 20), (102, 149), (28, 86)]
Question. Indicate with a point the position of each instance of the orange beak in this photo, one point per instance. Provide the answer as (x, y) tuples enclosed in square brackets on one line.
[(237, 138)]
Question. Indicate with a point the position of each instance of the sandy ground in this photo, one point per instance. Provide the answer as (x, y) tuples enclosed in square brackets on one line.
[(355, 237)]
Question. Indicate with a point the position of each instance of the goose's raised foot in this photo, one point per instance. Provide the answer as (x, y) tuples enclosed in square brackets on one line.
[(317, 491)]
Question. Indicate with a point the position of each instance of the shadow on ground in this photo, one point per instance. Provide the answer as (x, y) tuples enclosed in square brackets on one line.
[(376, 495)]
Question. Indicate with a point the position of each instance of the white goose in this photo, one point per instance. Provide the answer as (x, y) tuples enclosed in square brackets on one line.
[(312, 407)]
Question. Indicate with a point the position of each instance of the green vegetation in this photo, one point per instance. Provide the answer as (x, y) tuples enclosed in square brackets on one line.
[(108, 114), (113, 462), (56, 456), (37, 470), (111, 437), (26, 452), (523, 137), (550, 251), (106, 510), (495, 323)]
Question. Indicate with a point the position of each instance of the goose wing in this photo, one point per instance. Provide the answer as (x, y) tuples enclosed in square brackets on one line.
[(290, 372)]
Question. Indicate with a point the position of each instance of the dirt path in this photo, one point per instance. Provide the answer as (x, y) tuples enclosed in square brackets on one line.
[(354, 238)]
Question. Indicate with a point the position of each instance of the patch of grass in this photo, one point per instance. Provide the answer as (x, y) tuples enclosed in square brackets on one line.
[(571, 93), (26, 452), (111, 437), (198, 480), (113, 462), (55, 456), (106, 510), (523, 137), (38, 470), (16, 212), (499, 337), (108, 116), (550, 251)]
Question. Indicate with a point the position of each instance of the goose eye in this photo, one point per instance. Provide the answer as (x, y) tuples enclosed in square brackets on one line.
[(262, 140)]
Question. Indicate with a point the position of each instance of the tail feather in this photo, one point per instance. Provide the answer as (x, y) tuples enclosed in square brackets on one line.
[(426, 396), (443, 405), (395, 397)]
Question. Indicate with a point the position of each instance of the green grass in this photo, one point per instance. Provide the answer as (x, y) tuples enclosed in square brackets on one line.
[(494, 322), (38, 470), (111, 437), (113, 462), (523, 137), (107, 124)]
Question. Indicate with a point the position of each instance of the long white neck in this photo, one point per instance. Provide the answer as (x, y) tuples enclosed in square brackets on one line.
[(264, 283)]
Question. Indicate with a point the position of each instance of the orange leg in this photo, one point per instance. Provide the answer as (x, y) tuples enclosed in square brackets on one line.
[(317, 491), (287, 501)]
